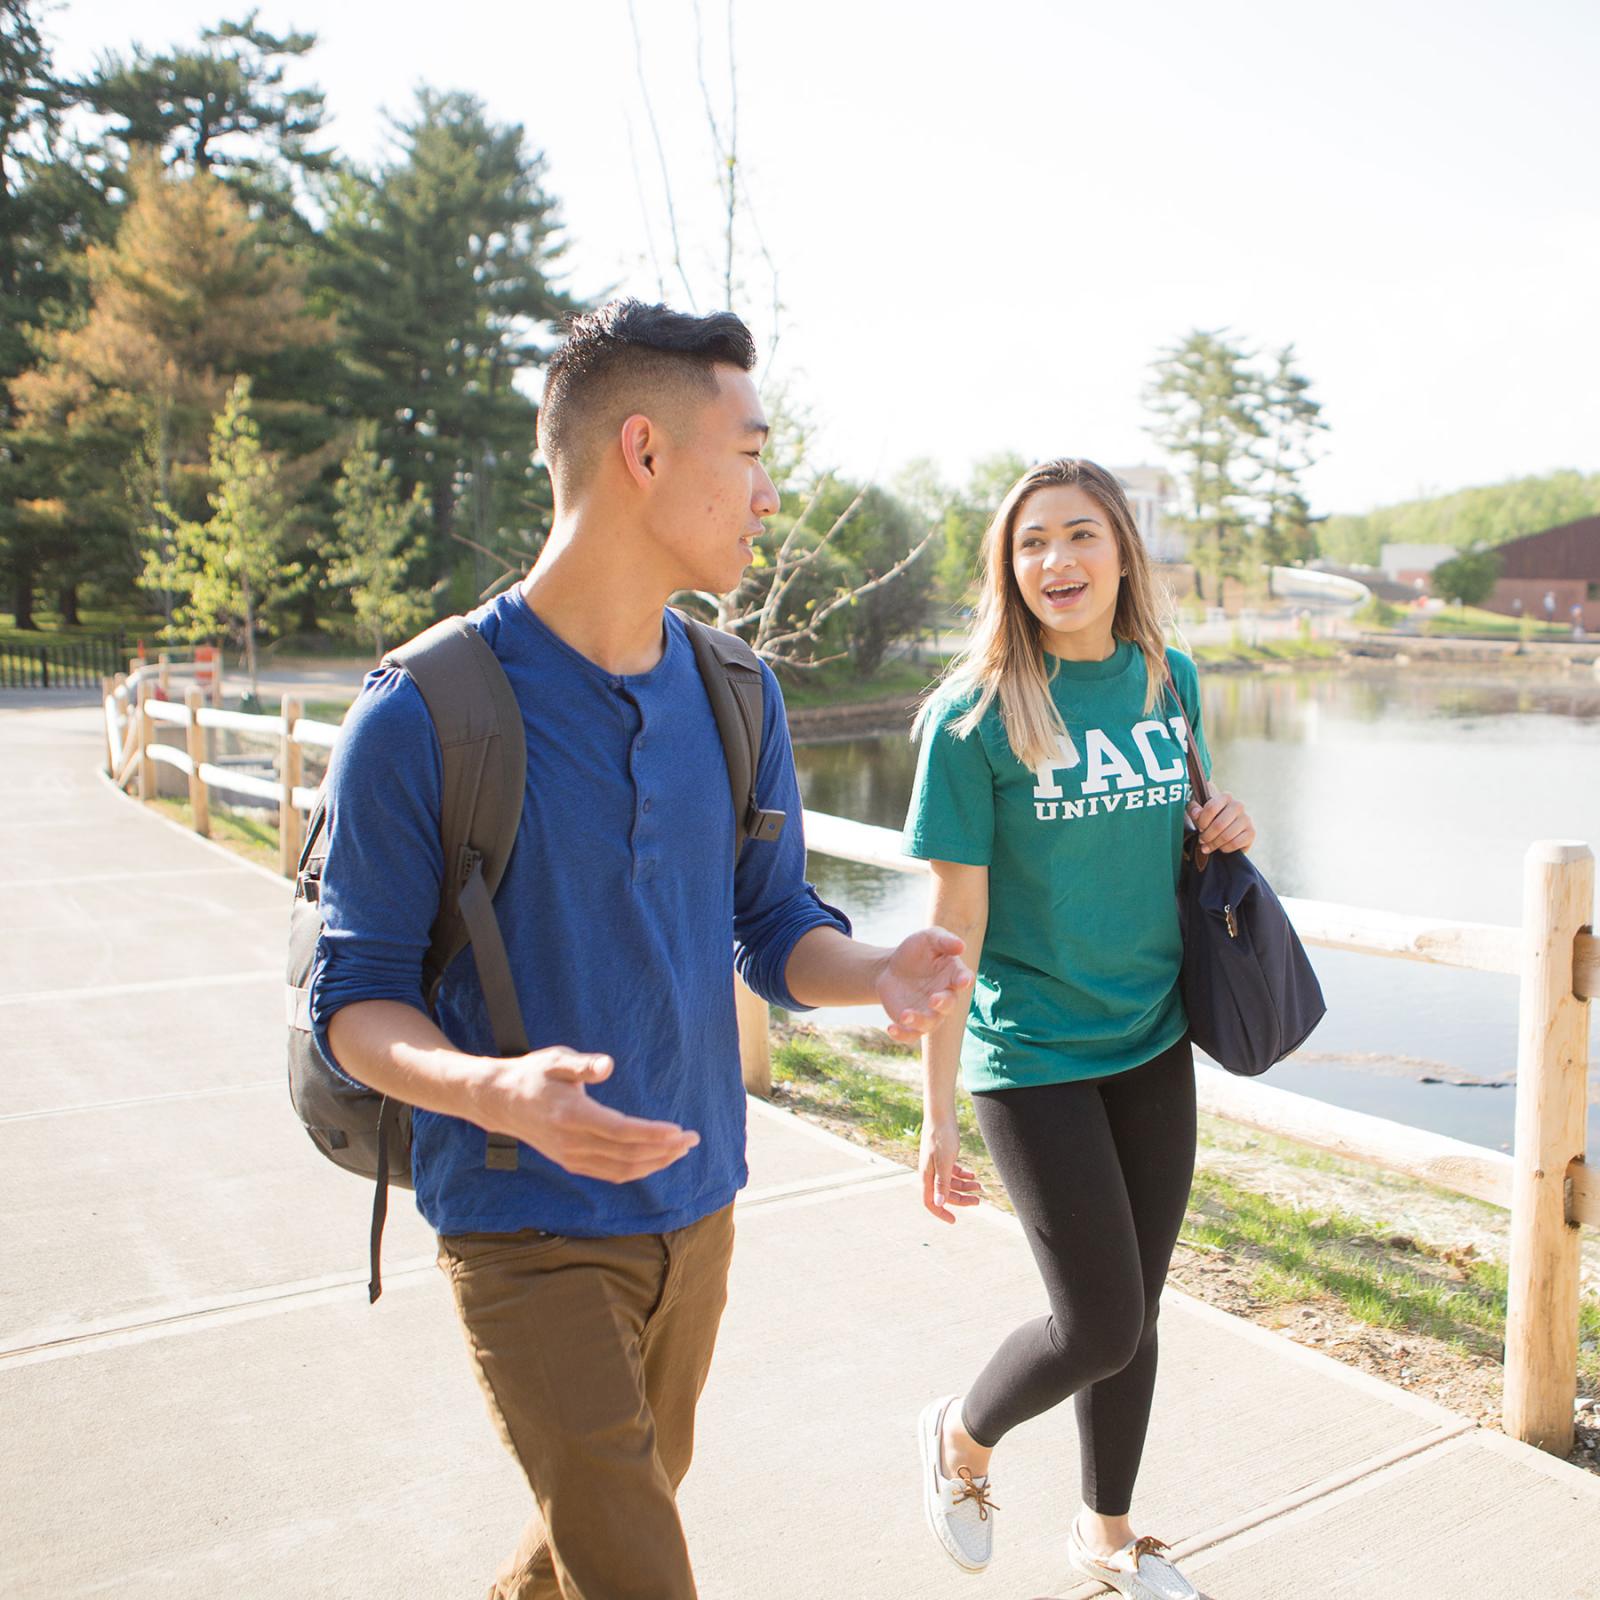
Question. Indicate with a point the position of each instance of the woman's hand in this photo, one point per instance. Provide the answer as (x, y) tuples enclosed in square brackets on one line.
[(1222, 824), (945, 1182)]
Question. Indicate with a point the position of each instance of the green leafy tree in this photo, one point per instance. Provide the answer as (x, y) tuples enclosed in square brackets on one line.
[(441, 262), (1468, 578), (1491, 515), (1290, 421), (378, 536), (1206, 397), (228, 571), (964, 518)]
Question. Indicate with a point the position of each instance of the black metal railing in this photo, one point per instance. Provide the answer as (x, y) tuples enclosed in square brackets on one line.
[(65, 664)]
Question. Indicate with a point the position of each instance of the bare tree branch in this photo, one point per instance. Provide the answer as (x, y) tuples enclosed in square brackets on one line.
[(644, 212), (661, 154), (783, 582), (727, 149), (848, 597), (508, 569)]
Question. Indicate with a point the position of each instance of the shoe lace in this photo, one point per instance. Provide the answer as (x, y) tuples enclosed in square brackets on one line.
[(972, 1490), (1147, 1545)]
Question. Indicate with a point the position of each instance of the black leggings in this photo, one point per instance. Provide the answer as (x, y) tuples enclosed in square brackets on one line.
[(1099, 1173)]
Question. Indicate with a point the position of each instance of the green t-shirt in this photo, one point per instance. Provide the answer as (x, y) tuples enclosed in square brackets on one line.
[(1078, 976)]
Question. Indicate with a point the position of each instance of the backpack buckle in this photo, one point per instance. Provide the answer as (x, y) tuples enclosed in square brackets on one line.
[(764, 825)]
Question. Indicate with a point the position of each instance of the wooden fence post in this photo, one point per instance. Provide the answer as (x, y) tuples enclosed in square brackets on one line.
[(108, 706), (755, 1038), (1552, 1070), (195, 736), (290, 829), (164, 673), (147, 737)]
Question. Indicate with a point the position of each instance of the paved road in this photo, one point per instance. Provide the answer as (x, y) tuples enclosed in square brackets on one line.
[(197, 1399)]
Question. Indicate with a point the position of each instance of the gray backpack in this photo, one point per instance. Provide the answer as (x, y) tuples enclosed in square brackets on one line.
[(479, 727)]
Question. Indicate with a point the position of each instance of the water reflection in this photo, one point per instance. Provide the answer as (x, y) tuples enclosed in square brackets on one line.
[(1411, 792)]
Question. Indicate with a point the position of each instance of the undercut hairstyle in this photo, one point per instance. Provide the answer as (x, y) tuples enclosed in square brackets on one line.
[(624, 358)]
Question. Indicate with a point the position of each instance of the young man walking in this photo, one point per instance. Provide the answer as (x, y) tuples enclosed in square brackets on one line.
[(590, 1279)]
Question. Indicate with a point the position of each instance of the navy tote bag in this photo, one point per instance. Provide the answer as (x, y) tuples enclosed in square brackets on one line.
[(1247, 985)]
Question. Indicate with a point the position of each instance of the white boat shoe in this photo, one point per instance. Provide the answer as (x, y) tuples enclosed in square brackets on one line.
[(1138, 1570), (958, 1510)]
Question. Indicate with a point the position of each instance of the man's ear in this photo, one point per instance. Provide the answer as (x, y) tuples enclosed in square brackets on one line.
[(640, 440)]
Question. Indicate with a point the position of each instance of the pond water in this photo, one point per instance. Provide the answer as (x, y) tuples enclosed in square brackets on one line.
[(1405, 791)]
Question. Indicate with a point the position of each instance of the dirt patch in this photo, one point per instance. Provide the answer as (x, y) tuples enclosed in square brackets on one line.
[(817, 724)]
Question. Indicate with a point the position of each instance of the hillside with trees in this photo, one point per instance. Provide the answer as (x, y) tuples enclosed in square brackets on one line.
[(1490, 515)]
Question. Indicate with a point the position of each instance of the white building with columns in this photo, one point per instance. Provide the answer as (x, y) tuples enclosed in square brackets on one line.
[(1150, 491)]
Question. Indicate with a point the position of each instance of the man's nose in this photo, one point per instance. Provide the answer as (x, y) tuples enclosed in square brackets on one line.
[(765, 502)]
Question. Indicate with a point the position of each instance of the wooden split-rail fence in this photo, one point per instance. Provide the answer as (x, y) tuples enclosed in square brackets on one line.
[(1545, 1182)]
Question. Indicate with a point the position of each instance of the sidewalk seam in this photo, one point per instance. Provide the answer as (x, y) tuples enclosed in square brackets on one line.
[(252, 1303)]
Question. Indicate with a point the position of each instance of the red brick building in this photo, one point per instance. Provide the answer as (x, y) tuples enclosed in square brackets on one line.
[(1561, 563)]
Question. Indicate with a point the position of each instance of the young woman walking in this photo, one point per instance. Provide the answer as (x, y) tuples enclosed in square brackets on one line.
[(1050, 802)]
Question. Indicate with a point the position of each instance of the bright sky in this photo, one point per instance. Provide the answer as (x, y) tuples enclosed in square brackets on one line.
[(988, 218)]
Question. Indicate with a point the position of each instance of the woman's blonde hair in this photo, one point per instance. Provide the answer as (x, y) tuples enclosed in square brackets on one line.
[(1005, 658)]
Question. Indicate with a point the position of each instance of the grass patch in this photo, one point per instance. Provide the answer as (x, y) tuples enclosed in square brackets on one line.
[(1469, 621), (888, 1111), (1288, 651), (840, 684), (254, 840), (1456, 622), (1341, 1259), (316, 710), (95, 625)]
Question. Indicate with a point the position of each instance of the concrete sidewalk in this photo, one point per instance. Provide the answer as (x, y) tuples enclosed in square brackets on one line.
[(197, 1399)]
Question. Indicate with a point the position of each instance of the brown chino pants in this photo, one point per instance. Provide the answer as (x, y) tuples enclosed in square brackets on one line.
[(592, 1354)]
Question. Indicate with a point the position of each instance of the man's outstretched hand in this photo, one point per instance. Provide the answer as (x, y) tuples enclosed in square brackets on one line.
[(922, 979), (542, 1099)]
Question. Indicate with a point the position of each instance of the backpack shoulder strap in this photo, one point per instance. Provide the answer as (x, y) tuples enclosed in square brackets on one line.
[(484, 749), (731, 672)]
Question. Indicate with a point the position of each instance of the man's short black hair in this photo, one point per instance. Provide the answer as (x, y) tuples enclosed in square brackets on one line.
[(627, 357)]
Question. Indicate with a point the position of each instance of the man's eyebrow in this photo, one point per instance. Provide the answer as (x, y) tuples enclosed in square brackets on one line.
[(755, 425)]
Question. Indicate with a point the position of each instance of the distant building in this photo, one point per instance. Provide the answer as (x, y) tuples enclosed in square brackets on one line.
[(1551, 572), (1413, 564), (1150, 491)]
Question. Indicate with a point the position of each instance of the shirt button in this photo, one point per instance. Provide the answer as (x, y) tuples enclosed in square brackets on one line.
[(647, 804), (638, 743)]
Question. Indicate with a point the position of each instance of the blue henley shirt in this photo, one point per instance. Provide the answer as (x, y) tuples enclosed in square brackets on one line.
[(622, 913)]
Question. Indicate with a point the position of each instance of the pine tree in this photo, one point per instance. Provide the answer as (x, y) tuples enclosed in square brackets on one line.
[(1207, 398), (31, 100), (187, 296), (222, 108), (378, 537), (228, 571), (440, 262), (1290, 421)]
